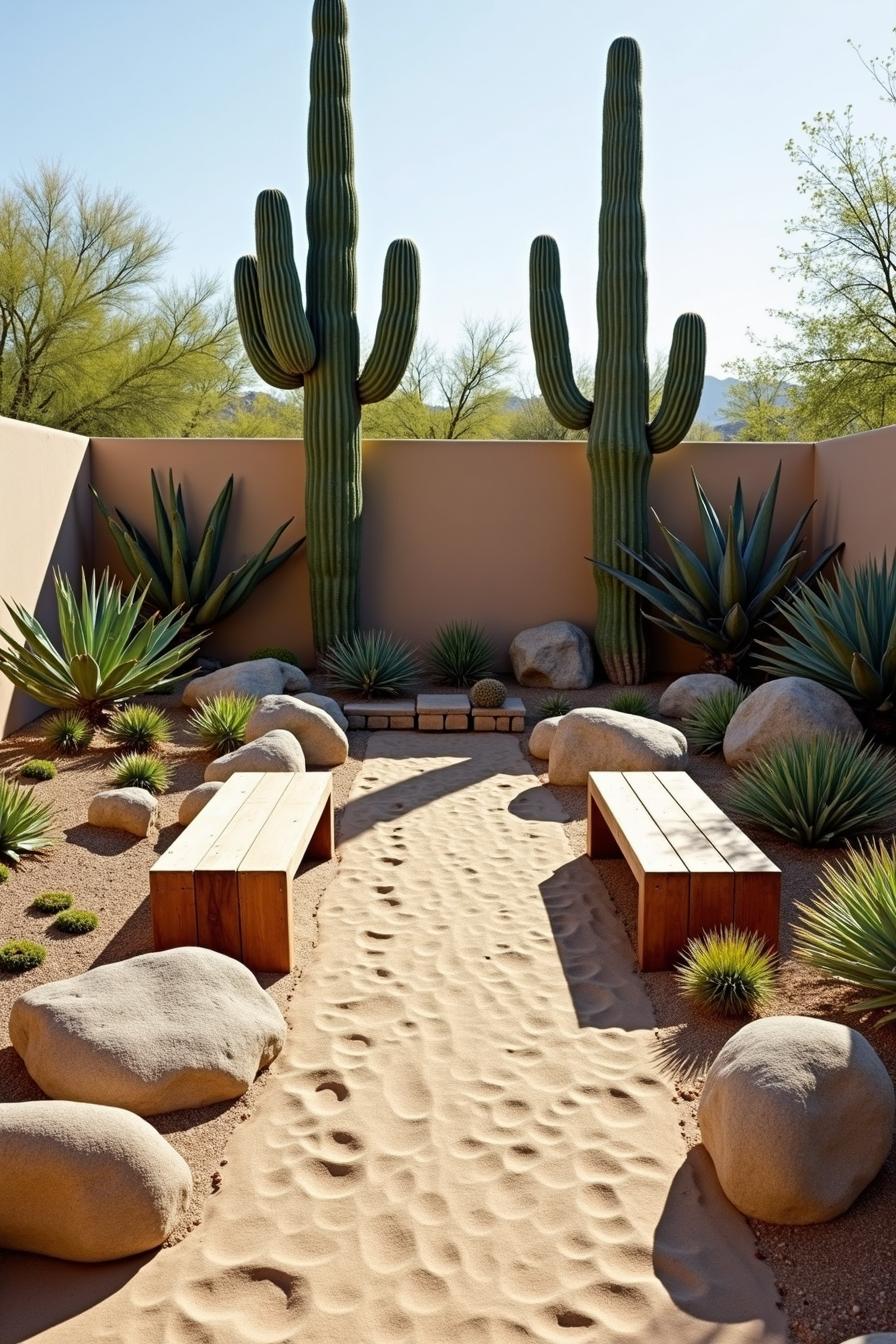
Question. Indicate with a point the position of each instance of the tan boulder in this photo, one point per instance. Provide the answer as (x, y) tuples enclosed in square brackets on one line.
[(604, 739), (797, 1115), (682, 696), (257, 677), (133, 810), (277, 752), (557, 654), (323, 742), (86, 1182), (196, 800), (542, 736), (165, 1031), (327, 704), (789, 708)]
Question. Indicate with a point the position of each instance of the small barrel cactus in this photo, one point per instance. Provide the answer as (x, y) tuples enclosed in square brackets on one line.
[(488, 693)]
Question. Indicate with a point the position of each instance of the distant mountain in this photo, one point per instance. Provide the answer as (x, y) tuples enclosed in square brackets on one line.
[(712, 402)]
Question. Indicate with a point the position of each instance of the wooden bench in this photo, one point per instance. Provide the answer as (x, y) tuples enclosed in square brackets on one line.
[(225, 882), (695, 869)]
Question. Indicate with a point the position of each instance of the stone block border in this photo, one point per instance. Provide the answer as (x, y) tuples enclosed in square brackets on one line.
[(450, 713)]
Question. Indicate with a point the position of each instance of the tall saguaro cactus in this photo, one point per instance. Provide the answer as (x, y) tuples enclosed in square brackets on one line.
[(316, 344), (621, 438)]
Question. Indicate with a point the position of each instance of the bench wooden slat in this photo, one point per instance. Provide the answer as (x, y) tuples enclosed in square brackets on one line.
[(719, 829), (633, 829), (227, 850), (285, 836), (184, 853), (696, 852)]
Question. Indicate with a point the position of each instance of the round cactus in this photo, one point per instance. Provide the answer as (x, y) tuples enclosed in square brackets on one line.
[(488, 693)]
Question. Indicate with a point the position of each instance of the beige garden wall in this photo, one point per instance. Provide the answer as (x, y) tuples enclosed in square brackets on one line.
[(496, 532), (44, 522), (855, 483)]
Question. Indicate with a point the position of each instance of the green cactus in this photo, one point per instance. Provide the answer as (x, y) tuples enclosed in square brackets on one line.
[(621, 438), (316, 345)]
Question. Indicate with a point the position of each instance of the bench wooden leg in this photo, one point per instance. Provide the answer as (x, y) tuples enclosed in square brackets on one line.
[(663, 900), (322, 844), (266, 920), (712, 902), (757, 903), (601, 842), (218, 912), (172, 903)]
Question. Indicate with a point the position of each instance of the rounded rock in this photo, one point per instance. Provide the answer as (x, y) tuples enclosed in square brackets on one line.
[(556, 655), (133, 810), (797, 1115), (604, 739), (542, 736), (86, 1183), (682, 697), (257, 677), (196, 800), (327, 704), (792, 708), (277, 752), (323, 742)]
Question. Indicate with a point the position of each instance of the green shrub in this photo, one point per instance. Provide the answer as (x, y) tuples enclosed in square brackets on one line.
[(220, 722), (51, 902), (708, 721), (107, 651), (842, 634), (4, 873), (459, 654), (718, 599), (552, 706), (632, 701), (848, 929), (37, 769), (76, 921), (282, 655), (69, 732), (820, 791), (371, 662), (21, 955), (180, 574), (26, 825), (139, 727), (489, 693), (137, 770), (729, 971)]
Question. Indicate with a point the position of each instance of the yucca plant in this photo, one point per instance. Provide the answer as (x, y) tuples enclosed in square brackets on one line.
[(26, 824), (842, 633), (848, 929), (139, 727), (69, 732), (459, 654), (707, 723), (729, 971), (554, 706), (137, 770), (717, 600), (220, 722), (179, 575), (371, 662), (819, 791), (632, 701), (108, 651)]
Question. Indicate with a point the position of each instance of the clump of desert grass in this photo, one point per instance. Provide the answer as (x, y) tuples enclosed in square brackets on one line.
[(728, 971)]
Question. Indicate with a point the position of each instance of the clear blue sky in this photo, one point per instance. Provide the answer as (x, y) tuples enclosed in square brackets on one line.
[(477, 125)]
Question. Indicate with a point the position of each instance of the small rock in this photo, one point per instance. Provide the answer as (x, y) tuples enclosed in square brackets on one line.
[(557, 655), (164, 1031), (542, 736), (258, 677), (791, 707), (604, 739), (322, 741), (196, 800), (133, 810), (797, 1115), (276, 752), (85, 1182), (682, 697)]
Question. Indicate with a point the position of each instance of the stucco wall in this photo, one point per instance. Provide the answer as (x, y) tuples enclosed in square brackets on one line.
[(44, 522), (855, 482), (496, 532)]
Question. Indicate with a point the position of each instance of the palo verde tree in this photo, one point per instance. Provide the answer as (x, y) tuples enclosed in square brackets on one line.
[(315, 343), (622, 437)]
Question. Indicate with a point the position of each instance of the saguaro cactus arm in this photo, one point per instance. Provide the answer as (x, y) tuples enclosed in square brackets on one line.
[(397, 325), (286, 326), (550, 338), (683, 385), (251, 323)]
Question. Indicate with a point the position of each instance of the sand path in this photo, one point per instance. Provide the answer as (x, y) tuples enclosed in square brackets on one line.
[(468, 1137)]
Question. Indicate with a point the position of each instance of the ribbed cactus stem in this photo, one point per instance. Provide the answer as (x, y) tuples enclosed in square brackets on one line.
[(621, 443), (317, 345)]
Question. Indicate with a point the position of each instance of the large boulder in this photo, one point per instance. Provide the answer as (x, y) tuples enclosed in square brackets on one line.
[(196, 800), (542, 736), (160, 1032), (797, 1115), (557, 654), (327, 704), (133, 810), (682, 697), (258, 677), (278, 752), (86, 1182), (322, 741), (791, 707), (885, 1337), (604, 739)]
